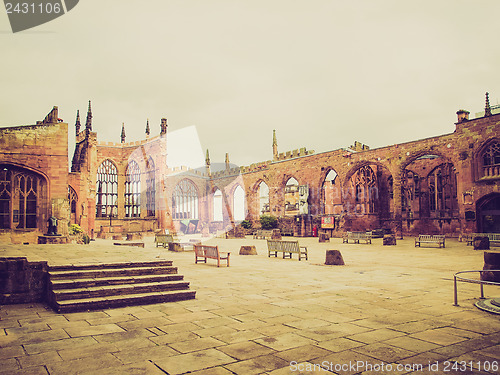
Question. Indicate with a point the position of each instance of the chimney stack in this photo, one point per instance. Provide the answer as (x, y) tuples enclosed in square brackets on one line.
[(462, 115)]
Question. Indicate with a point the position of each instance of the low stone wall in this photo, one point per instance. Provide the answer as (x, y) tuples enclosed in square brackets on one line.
[(19, 237), (22, 281)]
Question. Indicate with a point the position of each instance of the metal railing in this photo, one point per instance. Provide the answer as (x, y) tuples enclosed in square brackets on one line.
[(472, 281)]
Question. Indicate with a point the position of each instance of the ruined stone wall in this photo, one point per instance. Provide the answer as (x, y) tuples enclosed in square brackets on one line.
[(473, 136), (22, 281), (121, 154), (461, 148), (42, 149)]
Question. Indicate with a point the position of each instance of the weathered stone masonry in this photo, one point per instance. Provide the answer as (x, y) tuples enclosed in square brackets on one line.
[(447, 184)]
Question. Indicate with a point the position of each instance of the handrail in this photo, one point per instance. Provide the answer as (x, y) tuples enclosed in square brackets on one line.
[(472, 281)]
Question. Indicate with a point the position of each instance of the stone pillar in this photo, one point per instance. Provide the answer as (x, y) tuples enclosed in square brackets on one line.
[(398, 219), (276, 198), (60, 210), (252, 203), (119, 211), (324, 237)]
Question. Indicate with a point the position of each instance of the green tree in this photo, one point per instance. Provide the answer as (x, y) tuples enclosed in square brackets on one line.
[(268, 222)]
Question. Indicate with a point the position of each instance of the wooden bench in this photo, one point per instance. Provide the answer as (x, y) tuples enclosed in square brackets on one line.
[(286, 247), (357, 236), (437, 239), (469, 238), (493, 237), (204, 252), (163, 239), (378, 233), (261, 234)]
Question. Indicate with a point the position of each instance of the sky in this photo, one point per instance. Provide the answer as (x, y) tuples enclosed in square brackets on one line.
[(322, 73)]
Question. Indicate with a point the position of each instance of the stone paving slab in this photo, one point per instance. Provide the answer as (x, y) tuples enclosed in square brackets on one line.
[(39, 359), (302, 353), (257, 365), (391, 305), (97, 363), (140, 367), (132, 354), (245, 350), (193, 361)]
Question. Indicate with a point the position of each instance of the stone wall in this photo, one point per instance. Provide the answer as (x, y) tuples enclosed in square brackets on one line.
[(41, 149), (462, 149), (22, 281)]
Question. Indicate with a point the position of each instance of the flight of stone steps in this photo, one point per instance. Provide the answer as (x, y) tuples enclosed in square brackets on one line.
[(74, 288)]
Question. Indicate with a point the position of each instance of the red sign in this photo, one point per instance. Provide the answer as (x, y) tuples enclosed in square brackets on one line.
[(328, 222)]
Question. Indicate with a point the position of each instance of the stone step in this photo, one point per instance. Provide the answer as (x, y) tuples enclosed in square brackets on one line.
[(71, 267), (112, 272), (97, 286), (103, 281), (111, 290), (122, 300)]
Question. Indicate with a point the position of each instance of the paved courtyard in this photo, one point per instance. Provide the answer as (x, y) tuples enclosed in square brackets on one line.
[(389, 310)]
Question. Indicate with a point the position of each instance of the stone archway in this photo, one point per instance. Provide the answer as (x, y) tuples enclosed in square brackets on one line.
[(367, 197), (330, 193), (488, 214), (262, 201), (428, 193)]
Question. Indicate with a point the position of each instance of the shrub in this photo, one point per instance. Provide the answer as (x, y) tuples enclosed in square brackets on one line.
[(246, 224), (268, 222), (74, 229)]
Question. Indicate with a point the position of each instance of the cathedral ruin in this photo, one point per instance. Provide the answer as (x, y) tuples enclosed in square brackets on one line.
[(448, 184)]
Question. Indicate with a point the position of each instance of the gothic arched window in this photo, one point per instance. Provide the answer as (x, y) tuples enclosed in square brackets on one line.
[(364, 185), (217, 204), (133, 190), (239, 204), (263, 198), (292, 197), (491, 160), (185, 201), (20, 195), (107, 190), (73, 199), (443, 189), (5, 197)]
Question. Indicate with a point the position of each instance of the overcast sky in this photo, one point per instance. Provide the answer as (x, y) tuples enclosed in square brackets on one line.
[(323, 73)]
